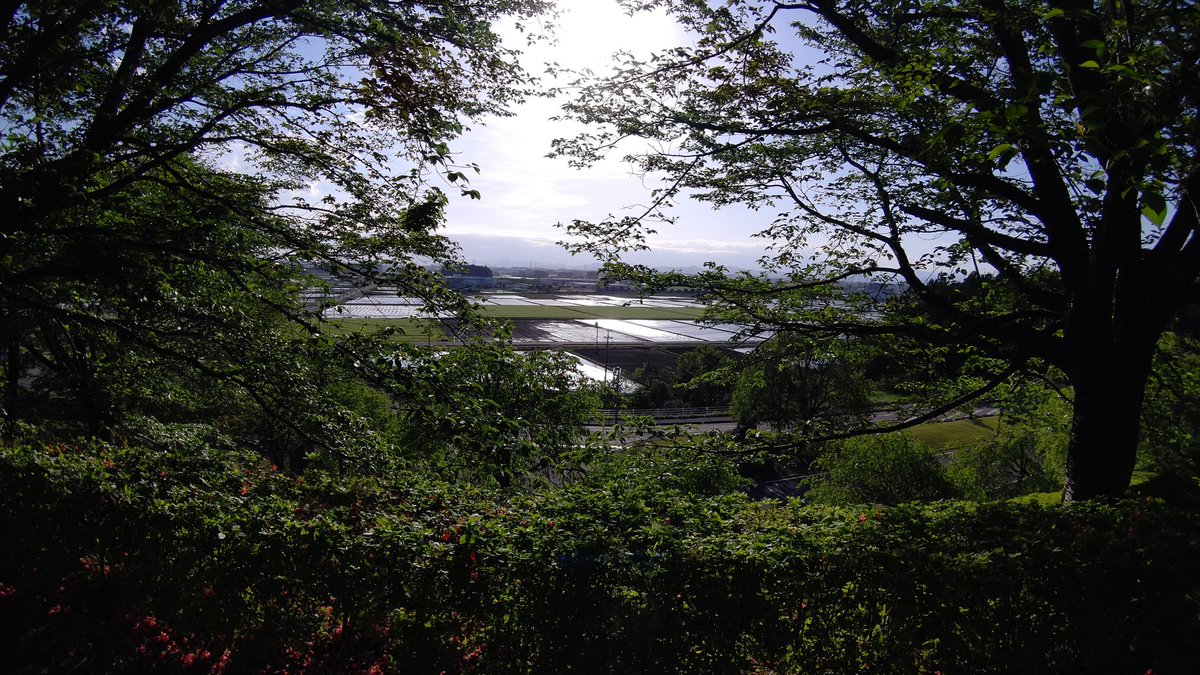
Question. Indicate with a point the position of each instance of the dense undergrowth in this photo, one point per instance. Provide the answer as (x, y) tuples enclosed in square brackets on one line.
[(194, 560)]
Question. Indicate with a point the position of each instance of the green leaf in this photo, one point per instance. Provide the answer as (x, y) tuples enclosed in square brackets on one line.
[(1092, 65), (1154, 207), (1000, 150), (1156, 217)]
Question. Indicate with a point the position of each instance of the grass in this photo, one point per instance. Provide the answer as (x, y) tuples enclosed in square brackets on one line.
[(1143, 483), (1180, 489), (945, 435), (885, 397), (1142, 476), (415, 331), (1039, 498)]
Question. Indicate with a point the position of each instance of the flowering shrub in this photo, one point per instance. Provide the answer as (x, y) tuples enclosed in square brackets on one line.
[(123, 559)]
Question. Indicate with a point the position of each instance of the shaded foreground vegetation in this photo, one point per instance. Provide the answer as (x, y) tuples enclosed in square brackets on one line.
[(197, 560), (448, 510)]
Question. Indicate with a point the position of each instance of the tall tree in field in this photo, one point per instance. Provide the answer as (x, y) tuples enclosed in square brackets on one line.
[(1050, 146), (168, 166)]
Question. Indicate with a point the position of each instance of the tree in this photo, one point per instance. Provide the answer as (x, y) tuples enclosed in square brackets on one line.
[(704, 376), (656, 386), (492, 413), (1052, 145), (1171, 419), (796, 384), (159, 163), (468, 271), (1004, 467), (890, 469)]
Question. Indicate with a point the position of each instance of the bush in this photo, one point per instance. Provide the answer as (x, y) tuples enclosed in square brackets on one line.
[(1171, 416), (131, 560), (890, 469), (1008, 466)]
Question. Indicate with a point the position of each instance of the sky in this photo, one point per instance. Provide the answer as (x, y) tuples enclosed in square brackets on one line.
[(524, 193)]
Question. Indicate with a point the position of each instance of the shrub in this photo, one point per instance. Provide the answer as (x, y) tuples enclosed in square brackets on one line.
[(890, 469), (1008, 466), (131, 560)]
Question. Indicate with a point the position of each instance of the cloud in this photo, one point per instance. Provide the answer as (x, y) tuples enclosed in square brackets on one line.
[(707, 246), (524, 191)]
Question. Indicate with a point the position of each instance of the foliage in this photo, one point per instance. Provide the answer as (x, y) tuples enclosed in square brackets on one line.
[(1047, 148), (792, 383), (890, 469), (1171, 420), (700, 378), (486, 412), (172, 173), (704, 376), (188, 559), (467, 270), (680, 470), (1007, 466), (656, 387)]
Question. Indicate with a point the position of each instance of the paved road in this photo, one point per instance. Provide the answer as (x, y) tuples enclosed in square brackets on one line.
[(727, 425)]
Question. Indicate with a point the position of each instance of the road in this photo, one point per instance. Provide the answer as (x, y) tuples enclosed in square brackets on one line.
[(724, 424)]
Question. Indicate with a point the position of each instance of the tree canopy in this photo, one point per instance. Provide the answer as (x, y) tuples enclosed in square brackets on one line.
[(790, 383), (170, 171), (1048, 147)]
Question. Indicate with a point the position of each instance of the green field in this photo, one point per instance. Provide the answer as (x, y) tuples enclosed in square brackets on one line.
[(946, 435), (411, 330)]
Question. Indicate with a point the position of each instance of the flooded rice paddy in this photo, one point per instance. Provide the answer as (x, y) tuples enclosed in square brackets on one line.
[(550, 320), (609, 335)]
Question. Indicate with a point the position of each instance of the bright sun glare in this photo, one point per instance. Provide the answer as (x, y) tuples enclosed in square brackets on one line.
[(591, 30)]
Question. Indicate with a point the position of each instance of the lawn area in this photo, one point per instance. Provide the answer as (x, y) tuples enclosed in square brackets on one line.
[(945, 435), (411, 330)]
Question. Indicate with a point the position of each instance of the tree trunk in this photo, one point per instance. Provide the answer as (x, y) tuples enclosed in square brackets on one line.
[(12, 388), (1105, 425)]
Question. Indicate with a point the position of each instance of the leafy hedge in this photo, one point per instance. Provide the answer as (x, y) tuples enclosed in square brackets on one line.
[(121, 559)]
